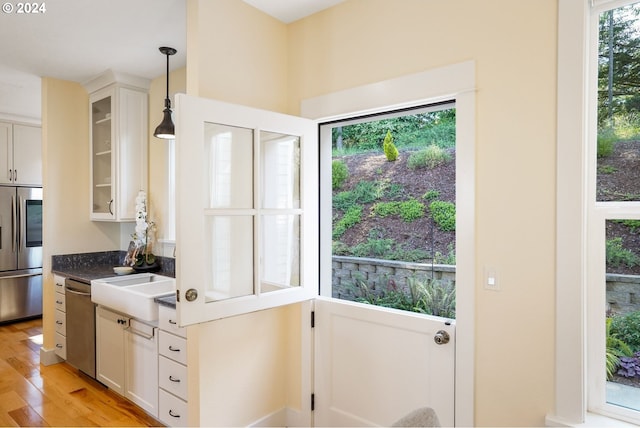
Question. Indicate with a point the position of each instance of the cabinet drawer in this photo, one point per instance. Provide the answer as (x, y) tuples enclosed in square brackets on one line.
[(168, 321), (172, 410), (58, 281), (61, 346), (173, 377), (61, 323), (61, 304), (173, 347)]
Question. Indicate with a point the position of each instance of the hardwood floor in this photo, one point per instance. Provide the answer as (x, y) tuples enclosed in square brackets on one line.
[(55, 395)]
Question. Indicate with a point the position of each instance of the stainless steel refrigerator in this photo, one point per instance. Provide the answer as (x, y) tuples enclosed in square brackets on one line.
[(20, 252)]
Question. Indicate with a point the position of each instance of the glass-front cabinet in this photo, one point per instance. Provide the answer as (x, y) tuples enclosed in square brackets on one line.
[(118, 146)]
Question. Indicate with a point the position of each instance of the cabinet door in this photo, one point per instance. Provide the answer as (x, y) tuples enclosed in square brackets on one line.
[(6, 153), (110, 364), (141, 361), (102, 165), (27, 155)]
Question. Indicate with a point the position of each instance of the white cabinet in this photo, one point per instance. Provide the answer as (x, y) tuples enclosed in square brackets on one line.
[(127, 358), (172, 369), (20, 154), (119, 151), (61, 317)]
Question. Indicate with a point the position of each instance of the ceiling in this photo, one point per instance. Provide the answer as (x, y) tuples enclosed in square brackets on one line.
[(79, 39)]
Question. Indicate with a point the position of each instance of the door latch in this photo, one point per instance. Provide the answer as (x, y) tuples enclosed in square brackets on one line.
[(441, 337)]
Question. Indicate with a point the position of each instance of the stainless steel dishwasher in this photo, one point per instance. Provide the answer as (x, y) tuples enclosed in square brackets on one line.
[(81, 327)]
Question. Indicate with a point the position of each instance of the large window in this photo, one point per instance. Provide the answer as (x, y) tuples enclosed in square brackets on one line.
[(613, 212)]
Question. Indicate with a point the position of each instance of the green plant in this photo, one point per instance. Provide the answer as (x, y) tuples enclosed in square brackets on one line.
[(365, 192), (435, 297), (448, 259), (407, 210), (444, 215), (339, 174), (431, 195), (616, 348), (627, 328), (618, 256), (390, 149), (606, 141), (633, 225), (430, 157), (607, 169), (350, 218), (423, 295), (411, 210)]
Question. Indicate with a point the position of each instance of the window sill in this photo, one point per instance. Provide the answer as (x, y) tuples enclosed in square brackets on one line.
[(591, 420)]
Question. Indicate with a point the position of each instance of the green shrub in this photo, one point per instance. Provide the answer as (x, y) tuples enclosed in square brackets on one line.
[(430, 157), (390, 149), (627, 328), (615, 348), (444, 214), (365, 192), (411, 210), (618, 256), (431, 195), (339, 174), (372, 248), (349, 219), (407, 210), (606, 141)]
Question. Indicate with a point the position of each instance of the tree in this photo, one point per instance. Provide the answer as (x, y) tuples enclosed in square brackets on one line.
[(618, 63)]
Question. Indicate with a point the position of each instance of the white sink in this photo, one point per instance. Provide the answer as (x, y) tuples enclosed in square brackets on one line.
[(133, 294)]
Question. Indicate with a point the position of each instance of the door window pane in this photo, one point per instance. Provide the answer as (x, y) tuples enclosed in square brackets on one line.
[(280, 252), (230, 256), (280, 170), (229, 165)]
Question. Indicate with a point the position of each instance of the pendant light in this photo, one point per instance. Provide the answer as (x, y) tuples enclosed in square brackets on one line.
[(166, 129)]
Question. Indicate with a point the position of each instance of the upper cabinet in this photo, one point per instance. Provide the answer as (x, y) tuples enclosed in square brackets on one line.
[(20, 154), (118, 149)]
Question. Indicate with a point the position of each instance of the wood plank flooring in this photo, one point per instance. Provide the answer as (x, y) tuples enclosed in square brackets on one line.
[(56, 395)]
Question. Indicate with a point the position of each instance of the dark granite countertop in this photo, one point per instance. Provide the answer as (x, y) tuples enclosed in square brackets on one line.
[(169, 301), (85, 267)]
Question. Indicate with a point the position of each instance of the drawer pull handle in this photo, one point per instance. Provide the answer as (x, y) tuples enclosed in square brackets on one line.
[(172, 322), (59, 322), (59, 346), (171, 348), (173, 414), (58, 302), (173, 379)]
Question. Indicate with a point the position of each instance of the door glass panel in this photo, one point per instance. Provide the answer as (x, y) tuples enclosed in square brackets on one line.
[(229, 164), (280, 252), (280, 170), (101, 155), (230, 256)]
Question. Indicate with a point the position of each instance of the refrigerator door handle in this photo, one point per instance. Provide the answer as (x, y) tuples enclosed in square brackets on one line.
[(14, 225), (23, 275), (21, 226)]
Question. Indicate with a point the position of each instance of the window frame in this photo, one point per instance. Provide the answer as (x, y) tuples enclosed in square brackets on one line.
[(579, 293)]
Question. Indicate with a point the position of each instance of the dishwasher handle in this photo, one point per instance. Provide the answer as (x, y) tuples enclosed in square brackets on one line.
[(78, 292)]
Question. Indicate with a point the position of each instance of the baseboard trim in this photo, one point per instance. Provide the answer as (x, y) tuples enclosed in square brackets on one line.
[(49, 357)]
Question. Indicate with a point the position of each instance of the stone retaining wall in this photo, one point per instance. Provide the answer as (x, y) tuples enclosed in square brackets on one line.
[(623, 291)]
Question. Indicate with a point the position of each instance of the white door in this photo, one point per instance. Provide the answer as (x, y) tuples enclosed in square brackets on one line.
[(247, 239), (373, 365)]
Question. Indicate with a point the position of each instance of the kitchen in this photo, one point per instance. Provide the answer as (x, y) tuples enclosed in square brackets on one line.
[(306, 65)]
